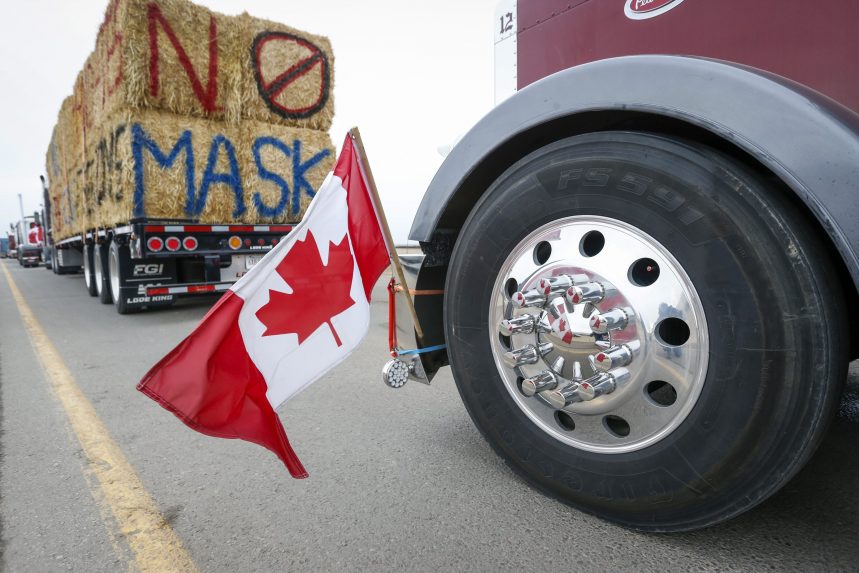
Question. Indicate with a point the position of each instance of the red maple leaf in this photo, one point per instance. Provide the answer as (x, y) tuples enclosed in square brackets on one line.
[(319, 291)]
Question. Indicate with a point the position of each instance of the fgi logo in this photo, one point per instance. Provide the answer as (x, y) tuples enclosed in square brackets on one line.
[(644, 9)]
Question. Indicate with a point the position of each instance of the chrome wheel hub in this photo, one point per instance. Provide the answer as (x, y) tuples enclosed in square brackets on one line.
[(598, 334)]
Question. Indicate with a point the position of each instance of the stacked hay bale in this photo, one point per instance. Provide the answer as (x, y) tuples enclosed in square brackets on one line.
[(183, 113)]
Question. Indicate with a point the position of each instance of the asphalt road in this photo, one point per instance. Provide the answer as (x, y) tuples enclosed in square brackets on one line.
[(400, 480)]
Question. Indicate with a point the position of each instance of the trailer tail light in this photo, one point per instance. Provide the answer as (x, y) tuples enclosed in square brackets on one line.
[(235, 243), (190, 243), (173, 244), (261, 242), (274, 242), (247, 242), (155, 244)]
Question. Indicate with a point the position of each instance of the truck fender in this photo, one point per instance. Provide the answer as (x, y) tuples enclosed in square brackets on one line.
[(807, 140)]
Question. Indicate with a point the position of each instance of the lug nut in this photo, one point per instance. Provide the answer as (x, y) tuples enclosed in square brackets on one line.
[(545, 380), (563, 397), (595, 386), (520, 325), (577, 371), (530, 298), (526, 355), (615, 319), (558, 365), (592, 292), (560, 283), (613, 357)]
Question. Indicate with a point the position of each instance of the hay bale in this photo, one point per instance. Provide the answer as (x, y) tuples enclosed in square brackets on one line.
[(170, 55), (157, 165), (287, 75), (286, 167)]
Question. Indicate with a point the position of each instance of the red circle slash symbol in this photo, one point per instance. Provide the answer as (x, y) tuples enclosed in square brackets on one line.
[(277, 91)]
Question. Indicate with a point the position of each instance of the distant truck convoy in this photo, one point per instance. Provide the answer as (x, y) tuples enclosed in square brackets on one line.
[(644, 261), (28, 238), (191, 144)]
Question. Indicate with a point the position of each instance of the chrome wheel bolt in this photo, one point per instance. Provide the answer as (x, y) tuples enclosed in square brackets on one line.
[(527, 355), (615, 319), (530, 298), (592, 292), (595, 386), (558, 365), (613, 357), (575, 392), (558, 284), (545, 380), (577, 371), (520, 325)]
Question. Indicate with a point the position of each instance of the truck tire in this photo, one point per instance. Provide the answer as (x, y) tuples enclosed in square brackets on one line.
[(89, 270), (101, 272), (118, 261), (699, 303)]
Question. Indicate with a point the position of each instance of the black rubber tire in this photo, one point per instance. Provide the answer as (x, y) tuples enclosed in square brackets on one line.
[(122, 255), (89, 270), (100, 252), (778, 343)]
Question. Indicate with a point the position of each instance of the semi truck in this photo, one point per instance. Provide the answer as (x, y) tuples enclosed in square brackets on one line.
[(28, 237), (641, 264), (165, 188)]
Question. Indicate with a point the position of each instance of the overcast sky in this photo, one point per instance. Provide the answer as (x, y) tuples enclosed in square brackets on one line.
[(411, 75)]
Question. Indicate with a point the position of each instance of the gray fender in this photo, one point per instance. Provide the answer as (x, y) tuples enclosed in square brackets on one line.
[(806, 139)]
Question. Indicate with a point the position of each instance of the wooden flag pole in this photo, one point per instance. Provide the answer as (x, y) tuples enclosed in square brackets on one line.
[(386, 231)]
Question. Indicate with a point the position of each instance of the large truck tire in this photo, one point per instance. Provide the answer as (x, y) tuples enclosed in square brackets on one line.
[(645, 329), (119, 259), (101, 272), (89, 270)]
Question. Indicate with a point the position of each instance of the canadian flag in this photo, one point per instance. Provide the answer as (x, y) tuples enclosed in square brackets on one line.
[(295, 315)]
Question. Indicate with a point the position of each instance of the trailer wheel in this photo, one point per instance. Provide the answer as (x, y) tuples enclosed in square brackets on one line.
[(89, 270), (645, 329), (118, 258), (101, 272)]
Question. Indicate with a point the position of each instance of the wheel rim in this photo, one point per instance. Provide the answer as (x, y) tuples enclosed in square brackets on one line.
[(598, 334), (113, 274), (97, 270), (87, 269)]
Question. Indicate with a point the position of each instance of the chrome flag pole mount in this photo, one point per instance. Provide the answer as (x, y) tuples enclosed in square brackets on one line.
[(403, 327), (355, 134)]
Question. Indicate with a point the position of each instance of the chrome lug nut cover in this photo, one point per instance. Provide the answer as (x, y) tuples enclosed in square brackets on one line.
[(582, 336)]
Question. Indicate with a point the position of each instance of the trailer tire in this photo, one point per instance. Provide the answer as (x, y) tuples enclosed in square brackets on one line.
[(101, 272), (89, 270), (748, 274), (118, 259)]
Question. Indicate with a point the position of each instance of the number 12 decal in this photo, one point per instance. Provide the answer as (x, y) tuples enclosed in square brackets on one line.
[(506, 22)]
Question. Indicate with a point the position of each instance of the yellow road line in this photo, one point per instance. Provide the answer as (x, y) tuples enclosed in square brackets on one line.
[(154, 543)]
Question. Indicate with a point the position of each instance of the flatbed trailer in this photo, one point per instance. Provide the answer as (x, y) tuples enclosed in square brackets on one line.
[(152, 263)]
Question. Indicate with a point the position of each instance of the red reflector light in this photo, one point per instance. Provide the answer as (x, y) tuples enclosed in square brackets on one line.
[(173, 243), (155, 244), (274, 242), (190, 243), (261, 242), (247, 242)]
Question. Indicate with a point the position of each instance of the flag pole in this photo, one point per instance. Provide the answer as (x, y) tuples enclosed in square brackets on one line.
[(386, 231)]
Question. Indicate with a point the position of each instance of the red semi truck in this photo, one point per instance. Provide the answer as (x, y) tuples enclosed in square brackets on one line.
[(641, 264)]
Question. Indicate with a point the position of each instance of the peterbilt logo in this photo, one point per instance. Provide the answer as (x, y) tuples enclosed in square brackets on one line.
[(643, 9)]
